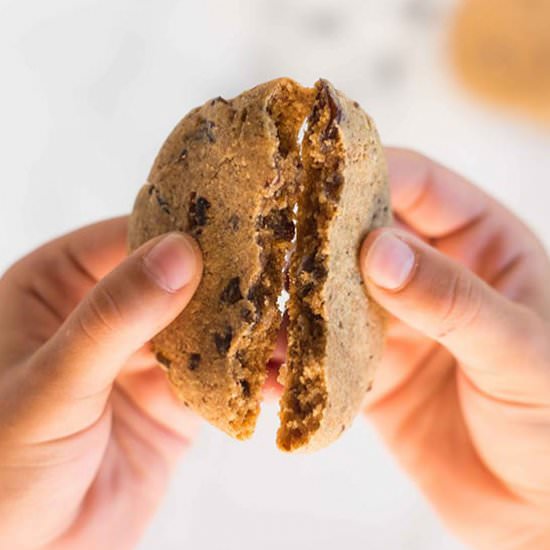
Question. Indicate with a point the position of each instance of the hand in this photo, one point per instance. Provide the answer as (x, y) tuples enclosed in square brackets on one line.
[(463, 395), (89, 430)]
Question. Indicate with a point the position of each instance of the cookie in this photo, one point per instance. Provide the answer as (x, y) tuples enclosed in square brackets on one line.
[(335, 334), (501, 51), (227, 175), (233, 173)]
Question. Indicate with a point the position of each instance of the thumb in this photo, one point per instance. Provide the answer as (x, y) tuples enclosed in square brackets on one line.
[(73, 372), (500, 345)]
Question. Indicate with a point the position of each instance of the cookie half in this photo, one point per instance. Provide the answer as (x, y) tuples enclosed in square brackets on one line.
[(335, 332), (227, 174)]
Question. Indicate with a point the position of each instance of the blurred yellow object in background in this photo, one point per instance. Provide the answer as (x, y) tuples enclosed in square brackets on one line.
[(501, 50)]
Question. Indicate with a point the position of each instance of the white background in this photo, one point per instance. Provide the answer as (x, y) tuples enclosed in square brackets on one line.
[(88, 91)]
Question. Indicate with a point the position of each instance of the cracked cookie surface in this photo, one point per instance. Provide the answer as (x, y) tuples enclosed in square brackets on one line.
[(233, 174), (227, 175), (336, 332)]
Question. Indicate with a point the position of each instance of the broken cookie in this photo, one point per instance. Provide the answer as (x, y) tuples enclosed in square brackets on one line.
[(239, 176)]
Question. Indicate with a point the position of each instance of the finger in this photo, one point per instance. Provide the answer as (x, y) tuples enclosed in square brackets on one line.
[(501, 345), (469, 226), (402, 226), (95, 249), (42, 289), (403, 358), (150, 392), (431, 199), (70, 377), (143, 359)]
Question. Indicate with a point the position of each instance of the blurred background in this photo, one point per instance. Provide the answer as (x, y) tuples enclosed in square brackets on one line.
[(89, 91)]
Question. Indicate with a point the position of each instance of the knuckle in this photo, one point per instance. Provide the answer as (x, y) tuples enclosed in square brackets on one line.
[(462, 304), (102, 315), (14, 271), (422, 191), (414, 155), (529, 334)]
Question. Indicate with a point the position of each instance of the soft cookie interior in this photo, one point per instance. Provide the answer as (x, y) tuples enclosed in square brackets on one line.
[(287, 109), (335, 332), (305, 393)]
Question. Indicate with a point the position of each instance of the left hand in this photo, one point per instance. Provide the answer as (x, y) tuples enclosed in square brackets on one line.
[(89, 429)]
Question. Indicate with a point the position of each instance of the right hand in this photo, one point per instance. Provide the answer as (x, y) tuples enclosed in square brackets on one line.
[(463, 395)]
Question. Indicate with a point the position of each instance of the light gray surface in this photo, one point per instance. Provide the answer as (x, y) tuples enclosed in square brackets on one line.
[(91, 88)]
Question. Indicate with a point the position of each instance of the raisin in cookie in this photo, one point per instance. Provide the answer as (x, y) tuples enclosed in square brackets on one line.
[(233, 174)]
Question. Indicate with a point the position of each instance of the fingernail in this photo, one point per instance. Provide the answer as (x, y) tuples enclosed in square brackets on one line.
[(389, 262), (171, 262)]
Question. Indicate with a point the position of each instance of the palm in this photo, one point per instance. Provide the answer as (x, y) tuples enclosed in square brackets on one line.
[(130, 476), (140, 450)]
